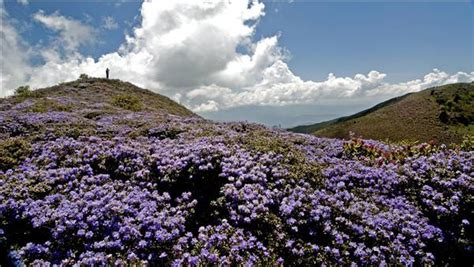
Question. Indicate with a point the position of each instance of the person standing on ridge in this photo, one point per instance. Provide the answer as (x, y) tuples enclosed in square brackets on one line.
[(107, 73)]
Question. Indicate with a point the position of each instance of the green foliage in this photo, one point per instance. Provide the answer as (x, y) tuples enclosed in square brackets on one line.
[(467, 143), (46, 105), (128, 102), (405, 143), (12, 152), (261, 141), (83, 76), (357, 148), (23, 91), (74, 131), (457, 107)]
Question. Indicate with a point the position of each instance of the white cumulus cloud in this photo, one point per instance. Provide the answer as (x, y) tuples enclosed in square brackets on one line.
[(295, 91), (72, 33), (14, 56), (192, 52)]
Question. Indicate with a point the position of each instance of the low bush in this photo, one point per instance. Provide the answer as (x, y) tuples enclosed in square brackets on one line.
[(128, 102), (46, 105), (468, 143), (23, 91), (12, 152)]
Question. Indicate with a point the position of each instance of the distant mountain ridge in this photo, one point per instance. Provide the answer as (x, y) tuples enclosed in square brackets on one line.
[(443, 114)]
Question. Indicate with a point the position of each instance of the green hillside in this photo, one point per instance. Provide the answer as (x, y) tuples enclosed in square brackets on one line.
[(443, 114), (109, 95)]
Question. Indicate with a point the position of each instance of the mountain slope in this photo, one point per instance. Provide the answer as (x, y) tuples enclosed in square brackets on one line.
[(96, 173), (112, 95), (444, 114), (85, 107)]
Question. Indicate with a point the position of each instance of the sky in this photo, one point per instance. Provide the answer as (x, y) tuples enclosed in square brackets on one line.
[(282, 63)]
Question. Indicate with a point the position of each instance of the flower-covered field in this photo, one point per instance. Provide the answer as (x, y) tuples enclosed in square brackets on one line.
[(97, 184)]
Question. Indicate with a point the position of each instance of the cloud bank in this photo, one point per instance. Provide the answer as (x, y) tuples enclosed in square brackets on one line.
[(203, 54), (71, 33)]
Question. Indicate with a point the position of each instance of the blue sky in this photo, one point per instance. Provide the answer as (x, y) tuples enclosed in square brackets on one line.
[(92, 12), (401, 41), (404, 39)]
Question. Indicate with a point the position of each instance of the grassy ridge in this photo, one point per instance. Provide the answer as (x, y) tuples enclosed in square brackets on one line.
[(320, 125), (443, 114), (115, 93)]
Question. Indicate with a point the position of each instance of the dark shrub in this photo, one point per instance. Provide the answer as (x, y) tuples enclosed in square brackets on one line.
[(444, 117), (23, 91), (462, 119), (457, 98), (96, 114), (440, 101)]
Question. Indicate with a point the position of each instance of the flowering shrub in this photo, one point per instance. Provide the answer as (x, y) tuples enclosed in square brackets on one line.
[(115, 188)]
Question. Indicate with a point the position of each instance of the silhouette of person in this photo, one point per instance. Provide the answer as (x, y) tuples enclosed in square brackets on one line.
[(107, 73)]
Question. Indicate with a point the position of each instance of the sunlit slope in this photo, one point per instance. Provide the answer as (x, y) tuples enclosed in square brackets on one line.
[(443, 114), (104, 94)]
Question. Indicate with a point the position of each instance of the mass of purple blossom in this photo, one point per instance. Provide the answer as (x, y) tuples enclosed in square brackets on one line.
[(147, 188)]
